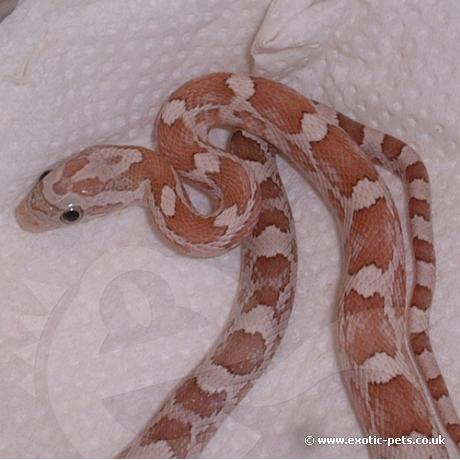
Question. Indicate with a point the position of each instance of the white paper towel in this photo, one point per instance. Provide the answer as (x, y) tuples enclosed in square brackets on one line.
[(99, 321)]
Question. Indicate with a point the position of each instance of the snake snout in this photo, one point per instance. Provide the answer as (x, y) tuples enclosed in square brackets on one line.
[(28, 220)]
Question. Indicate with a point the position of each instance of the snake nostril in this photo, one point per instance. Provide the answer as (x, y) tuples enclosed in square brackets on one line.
[(44, 174)]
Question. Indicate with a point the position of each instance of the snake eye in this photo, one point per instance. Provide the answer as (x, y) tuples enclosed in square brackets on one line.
[(44, 174), (73, 214)]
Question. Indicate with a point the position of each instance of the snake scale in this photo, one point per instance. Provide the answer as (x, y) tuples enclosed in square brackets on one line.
[(379, 332)]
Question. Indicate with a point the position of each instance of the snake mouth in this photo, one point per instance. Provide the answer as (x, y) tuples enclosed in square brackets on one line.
[(28, 220)]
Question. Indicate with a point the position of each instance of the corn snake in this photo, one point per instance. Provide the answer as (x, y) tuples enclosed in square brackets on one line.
[(334, 153)]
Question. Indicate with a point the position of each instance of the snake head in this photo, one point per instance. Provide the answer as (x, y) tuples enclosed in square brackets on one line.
[(88, 184)]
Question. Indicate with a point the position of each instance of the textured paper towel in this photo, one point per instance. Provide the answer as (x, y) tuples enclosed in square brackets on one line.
[(99, 321)]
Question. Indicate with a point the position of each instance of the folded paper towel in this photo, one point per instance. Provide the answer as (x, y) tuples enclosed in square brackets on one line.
[(99, 321)]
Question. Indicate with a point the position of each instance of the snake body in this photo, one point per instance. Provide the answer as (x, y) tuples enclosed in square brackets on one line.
[(378, 333)]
